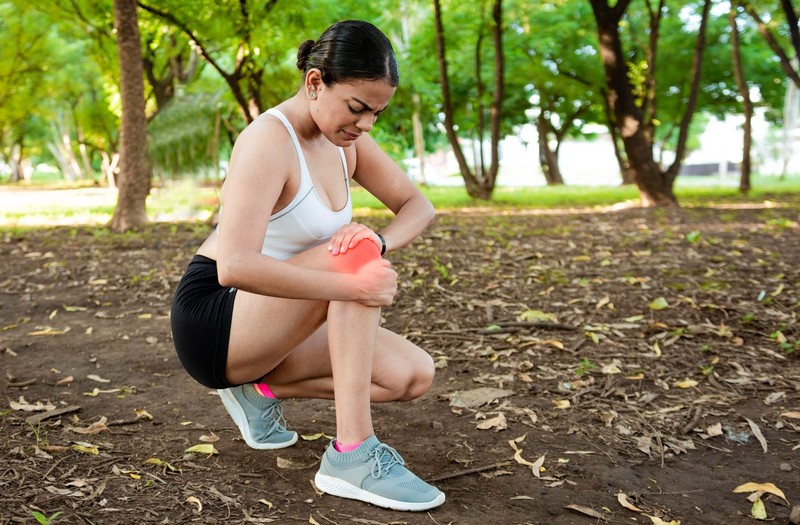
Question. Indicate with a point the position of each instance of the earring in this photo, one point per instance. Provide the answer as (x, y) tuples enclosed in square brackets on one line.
[(313, 94)]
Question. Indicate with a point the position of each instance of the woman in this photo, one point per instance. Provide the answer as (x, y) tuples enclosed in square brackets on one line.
[(283, 299)]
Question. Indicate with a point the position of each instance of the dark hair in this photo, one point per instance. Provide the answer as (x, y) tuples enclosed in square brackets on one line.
[(347, 50)]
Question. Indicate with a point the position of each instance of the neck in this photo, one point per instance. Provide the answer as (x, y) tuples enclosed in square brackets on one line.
[(298, 110)]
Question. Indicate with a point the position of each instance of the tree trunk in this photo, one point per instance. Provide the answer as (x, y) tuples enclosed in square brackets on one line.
[(15, 161), (496, 112), (654, 188), (419, 141), (744, 91), (472, 186), (134, 177), (625, 170), (548, 160), (694, 92)]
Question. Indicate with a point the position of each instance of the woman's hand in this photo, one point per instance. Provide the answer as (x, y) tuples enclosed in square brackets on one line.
[(348, 236), (377, 283)]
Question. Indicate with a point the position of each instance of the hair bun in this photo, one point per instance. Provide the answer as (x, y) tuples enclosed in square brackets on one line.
[(302, 54)]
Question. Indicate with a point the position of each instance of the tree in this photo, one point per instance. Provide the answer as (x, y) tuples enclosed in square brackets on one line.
[(633, 112), (134, 183), (480, 183), (563, 78), (747, 103), (773, 40)]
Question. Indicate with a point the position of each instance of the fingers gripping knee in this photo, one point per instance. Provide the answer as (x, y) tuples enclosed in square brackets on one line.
[(354, 258)]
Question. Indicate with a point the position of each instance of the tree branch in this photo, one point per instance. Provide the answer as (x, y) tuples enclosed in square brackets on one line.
[(786, 63)]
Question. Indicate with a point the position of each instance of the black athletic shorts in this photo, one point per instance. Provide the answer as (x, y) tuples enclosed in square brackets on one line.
[(201, 322)]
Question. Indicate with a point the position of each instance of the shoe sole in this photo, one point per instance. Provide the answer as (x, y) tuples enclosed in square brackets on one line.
[(343, 489), (236, 412)]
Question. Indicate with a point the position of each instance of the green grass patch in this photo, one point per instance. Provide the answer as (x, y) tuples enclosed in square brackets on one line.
[(188, 201)]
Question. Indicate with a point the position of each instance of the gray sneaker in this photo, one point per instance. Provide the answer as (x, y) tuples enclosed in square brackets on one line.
[(260, 419), (375, 473)]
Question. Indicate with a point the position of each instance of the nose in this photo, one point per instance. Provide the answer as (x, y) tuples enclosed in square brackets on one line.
[(365, 123)]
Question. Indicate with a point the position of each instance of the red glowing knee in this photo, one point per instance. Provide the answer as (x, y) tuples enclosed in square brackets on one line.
[(354, 258)]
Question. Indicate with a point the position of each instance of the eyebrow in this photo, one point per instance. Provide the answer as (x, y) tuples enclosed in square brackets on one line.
[(368, 107)]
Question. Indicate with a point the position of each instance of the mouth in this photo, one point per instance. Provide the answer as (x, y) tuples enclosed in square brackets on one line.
[(350, 136)]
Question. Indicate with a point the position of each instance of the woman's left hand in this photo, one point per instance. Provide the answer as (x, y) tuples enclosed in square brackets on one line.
[(349, 236)]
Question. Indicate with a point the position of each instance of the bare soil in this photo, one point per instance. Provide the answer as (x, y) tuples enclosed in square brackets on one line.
[(639, 358)]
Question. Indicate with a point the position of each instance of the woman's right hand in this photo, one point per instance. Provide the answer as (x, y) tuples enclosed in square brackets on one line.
[(377, 283)]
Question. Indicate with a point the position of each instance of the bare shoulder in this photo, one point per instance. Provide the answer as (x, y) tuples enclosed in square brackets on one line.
[(263, 157), (264, 138)]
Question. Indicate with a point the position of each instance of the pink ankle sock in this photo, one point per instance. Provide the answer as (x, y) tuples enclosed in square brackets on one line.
[(339, 447), (263, 389)]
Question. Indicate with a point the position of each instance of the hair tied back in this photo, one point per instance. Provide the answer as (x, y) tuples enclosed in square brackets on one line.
[(303, 53)]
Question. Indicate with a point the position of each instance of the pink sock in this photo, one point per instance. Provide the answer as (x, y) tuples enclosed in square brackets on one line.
[(345, 448), (263, 389)]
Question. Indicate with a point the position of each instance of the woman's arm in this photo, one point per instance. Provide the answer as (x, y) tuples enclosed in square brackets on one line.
[(383, 178)]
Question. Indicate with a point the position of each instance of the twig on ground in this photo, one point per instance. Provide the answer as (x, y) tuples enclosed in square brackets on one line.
[(471, 471)]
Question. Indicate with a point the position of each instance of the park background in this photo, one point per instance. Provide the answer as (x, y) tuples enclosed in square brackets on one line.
[(609, 291)]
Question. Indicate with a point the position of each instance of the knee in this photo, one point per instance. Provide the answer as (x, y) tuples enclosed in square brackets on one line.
[(354, 258), (419, 379)]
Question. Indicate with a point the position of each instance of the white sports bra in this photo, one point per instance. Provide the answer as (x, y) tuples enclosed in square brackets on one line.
[(306, 221)]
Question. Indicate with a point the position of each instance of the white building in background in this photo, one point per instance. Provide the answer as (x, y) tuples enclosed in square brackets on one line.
[(592, 162)]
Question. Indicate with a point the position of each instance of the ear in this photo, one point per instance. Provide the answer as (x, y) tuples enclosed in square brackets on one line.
[(313, 80)]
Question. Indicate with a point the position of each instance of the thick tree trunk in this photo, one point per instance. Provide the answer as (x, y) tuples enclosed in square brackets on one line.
[(747, 103), (134, 177), (653, 186)]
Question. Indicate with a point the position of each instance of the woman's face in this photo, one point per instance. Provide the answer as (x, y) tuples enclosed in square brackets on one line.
[(345, 110)]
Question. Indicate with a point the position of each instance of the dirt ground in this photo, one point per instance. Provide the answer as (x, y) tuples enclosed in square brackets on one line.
[(626, 366)]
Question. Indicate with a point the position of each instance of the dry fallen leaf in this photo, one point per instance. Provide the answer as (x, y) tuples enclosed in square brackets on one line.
[(94, 428), (192, 500), (31, 407), (659, 521), (761, 487), (161, 463), (142, 414), (686, 383), (290, 464), (477, 397), (85, 448), (203, 449), (758, 511), (757, 433), (586, 510), (537, 467), (793, 415), (623, 500), (95, 377), (714, 430), (213, 438), (497, 423)]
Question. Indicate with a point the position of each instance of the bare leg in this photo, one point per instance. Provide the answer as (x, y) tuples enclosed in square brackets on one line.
[(289, 341), (351, 336)]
